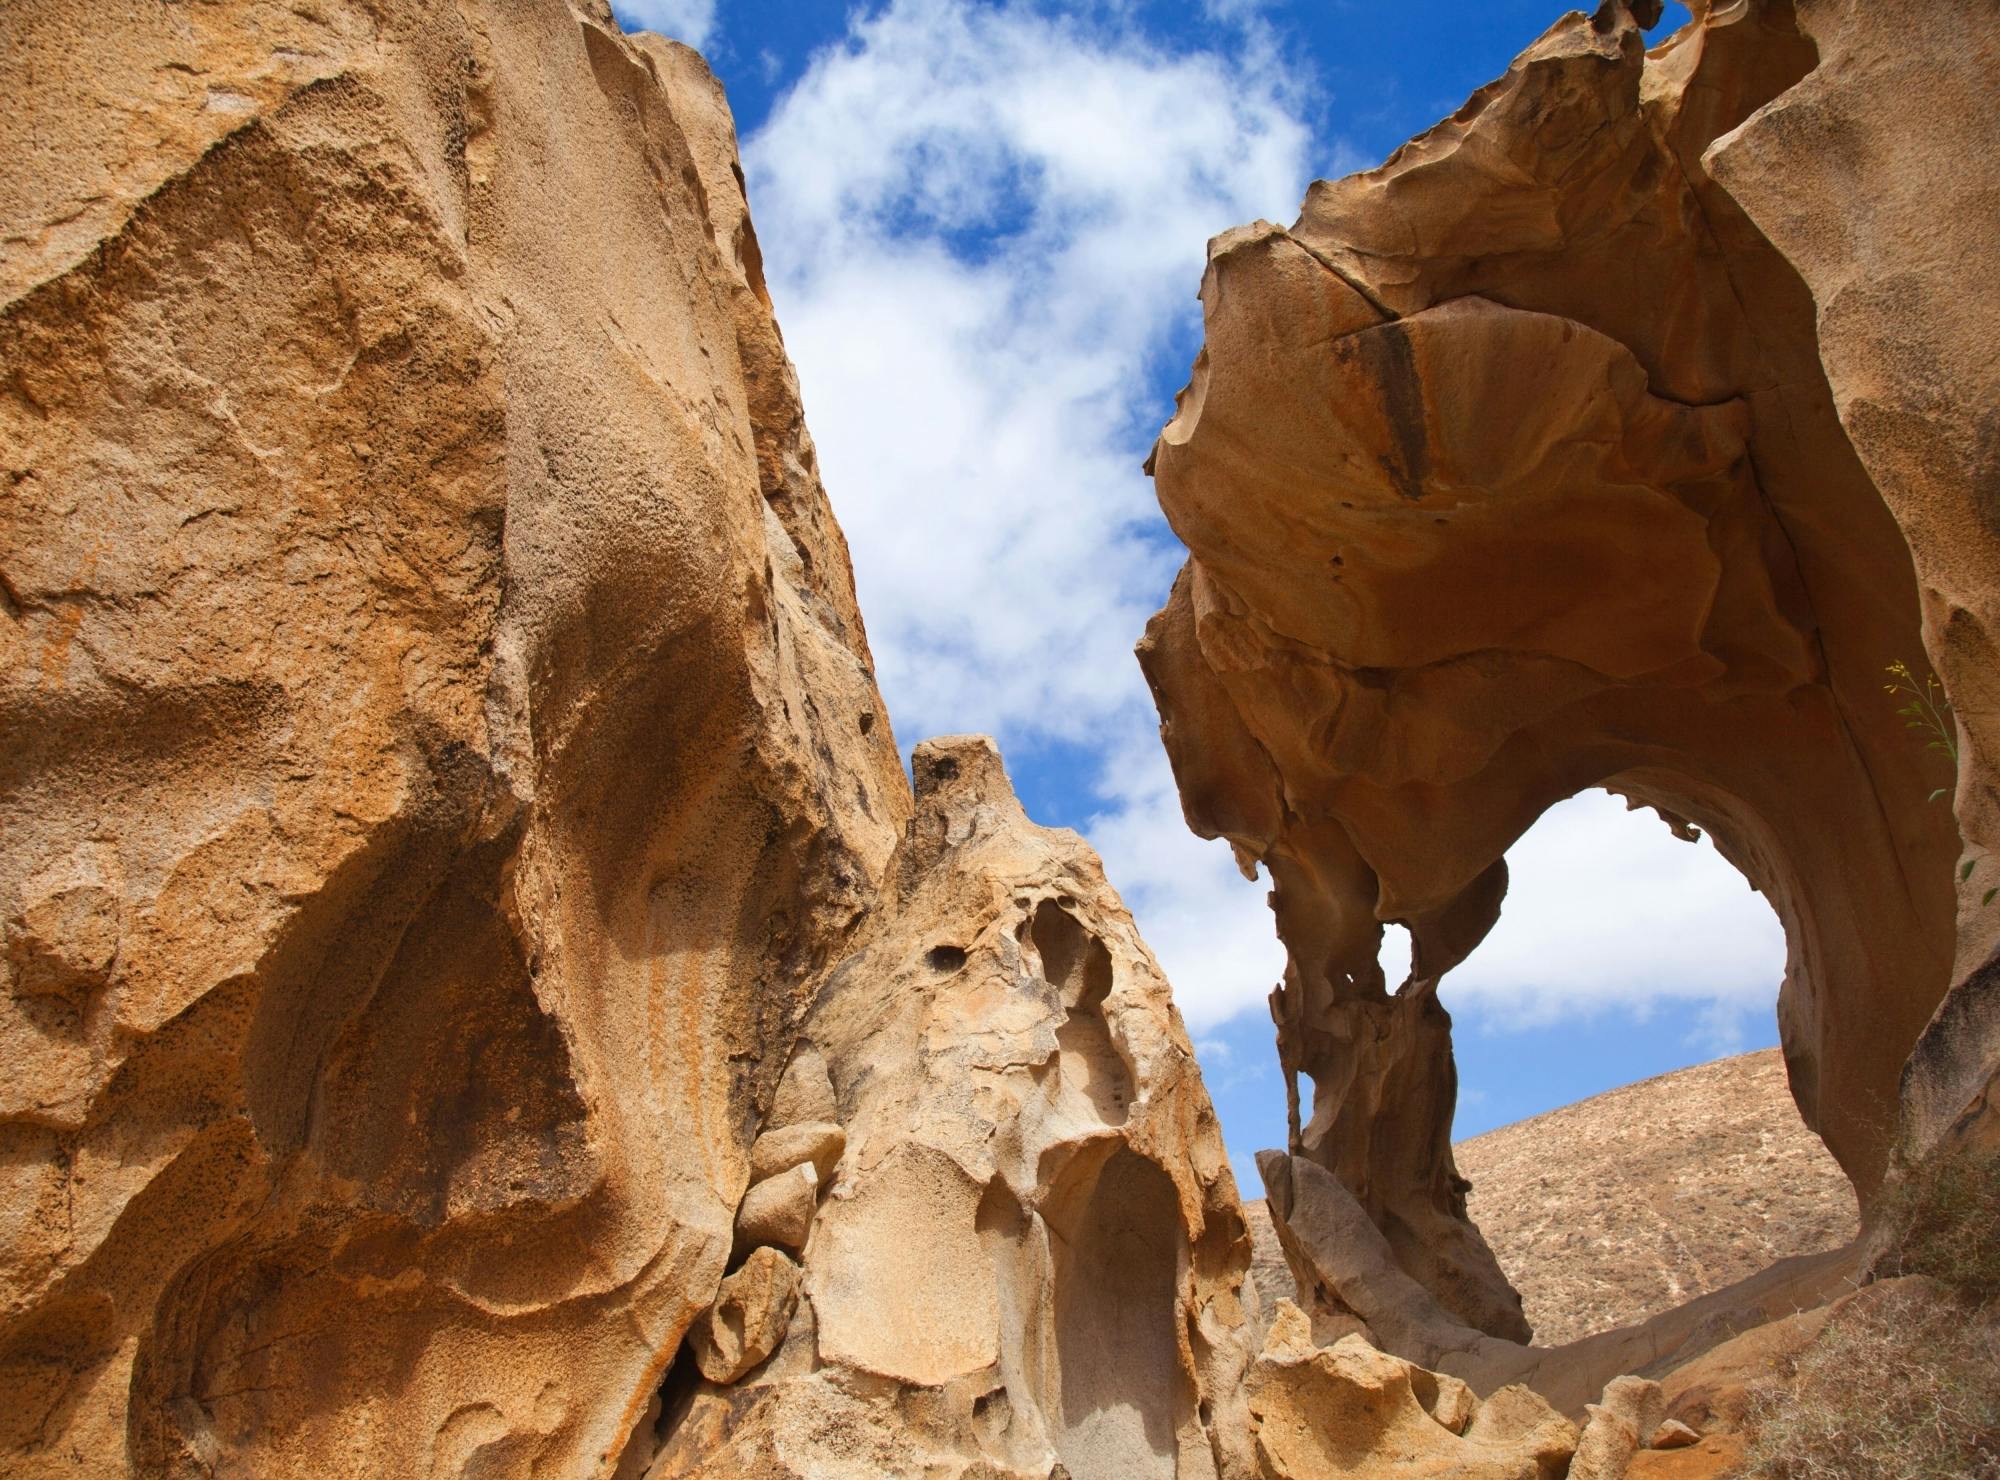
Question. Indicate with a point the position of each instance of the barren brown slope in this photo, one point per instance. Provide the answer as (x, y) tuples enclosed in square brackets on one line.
[(1618, 1207), (1629, 1203)]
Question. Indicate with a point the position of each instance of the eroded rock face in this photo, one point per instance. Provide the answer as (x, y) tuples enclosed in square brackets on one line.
[(1512, 469), (1030, 1253), (1885, 206), (440, 747)]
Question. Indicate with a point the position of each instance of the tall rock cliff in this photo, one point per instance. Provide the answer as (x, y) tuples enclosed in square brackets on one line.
[(441, 746), (442, 771)]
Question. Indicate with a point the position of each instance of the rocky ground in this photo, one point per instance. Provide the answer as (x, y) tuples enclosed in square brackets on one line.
[(1618, 1207)]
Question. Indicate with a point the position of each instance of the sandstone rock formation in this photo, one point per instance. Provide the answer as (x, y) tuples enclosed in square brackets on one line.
[(440, 747), (1875, 177), (1512, 468), (480, 994), (1030, 1254)]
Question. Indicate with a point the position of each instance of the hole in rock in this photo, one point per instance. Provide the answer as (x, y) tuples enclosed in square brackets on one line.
[(1077, 964), (1623, 1113), (945, 958), (1112, 1222), (1629, 949)]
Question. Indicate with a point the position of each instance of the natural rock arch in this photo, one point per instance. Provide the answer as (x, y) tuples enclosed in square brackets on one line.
[(1511, 470)]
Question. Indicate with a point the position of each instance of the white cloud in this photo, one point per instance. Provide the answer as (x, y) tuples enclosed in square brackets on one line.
[(1606, 909), (689, 21), (984, 225), (984, 228)]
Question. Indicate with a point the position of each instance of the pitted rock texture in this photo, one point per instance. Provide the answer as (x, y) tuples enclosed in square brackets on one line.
[(1511, 469), (440, 747), (1031, 1254)]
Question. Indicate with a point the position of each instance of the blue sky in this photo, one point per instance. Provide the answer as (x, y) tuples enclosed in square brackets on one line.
[(983, 225)]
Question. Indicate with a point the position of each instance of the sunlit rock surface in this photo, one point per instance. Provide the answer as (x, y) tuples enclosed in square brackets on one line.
[(480, 995), (440, 746), (1512, 469), (1876, 176), (1030, 1253)]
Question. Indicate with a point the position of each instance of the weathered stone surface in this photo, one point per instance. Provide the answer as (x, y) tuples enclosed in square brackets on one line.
[(1604, 1450), (1639, 1401), (1673, 1434), (779, 1210), (1509, 470), (1033, 1254), (440, 744), (1349, 1409), (1885, 209), (817, 1142), (805, 1092), (752, 1310), (1717, 1457), (1451, 1402)]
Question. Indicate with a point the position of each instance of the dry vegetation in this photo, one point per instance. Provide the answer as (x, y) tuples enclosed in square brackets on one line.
[(1905, 1387)]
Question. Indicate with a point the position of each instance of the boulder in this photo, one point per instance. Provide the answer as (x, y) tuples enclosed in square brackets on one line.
[(1673, 1434), (778, 1212), (1326, 1411), (805, 1092), (817, 1142), (753, 1308)]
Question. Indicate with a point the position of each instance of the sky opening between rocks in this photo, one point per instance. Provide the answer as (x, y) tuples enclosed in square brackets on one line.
[(983, 228)]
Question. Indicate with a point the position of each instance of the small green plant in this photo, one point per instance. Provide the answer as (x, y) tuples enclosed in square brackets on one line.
[(1926, 709)]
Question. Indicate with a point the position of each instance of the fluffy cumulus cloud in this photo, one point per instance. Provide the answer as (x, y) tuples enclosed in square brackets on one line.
[(983, 226), (691, 21)]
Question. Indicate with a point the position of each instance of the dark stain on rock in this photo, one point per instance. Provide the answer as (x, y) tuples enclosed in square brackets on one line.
[(1386, 354)]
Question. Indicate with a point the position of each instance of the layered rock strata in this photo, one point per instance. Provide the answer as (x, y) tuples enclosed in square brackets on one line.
[(441, 753), (1511, 469)]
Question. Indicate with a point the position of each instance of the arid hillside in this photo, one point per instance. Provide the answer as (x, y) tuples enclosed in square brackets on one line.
[(1618, 1207), (1629, 1203)]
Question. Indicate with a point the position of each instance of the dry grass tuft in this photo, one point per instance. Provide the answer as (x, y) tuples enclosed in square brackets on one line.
[(1943, 1220), (1904, 1383)]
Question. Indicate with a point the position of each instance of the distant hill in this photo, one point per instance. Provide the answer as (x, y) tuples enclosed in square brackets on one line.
[(1631, 1202)]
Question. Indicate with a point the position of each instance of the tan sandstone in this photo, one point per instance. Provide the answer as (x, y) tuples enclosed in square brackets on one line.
[(1513, 468), (451, 823), (441, 747), (1033, 1255), (752, 1311)]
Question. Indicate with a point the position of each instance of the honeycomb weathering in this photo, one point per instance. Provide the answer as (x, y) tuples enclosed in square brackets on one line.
[(1512, 469), (381, 544)]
